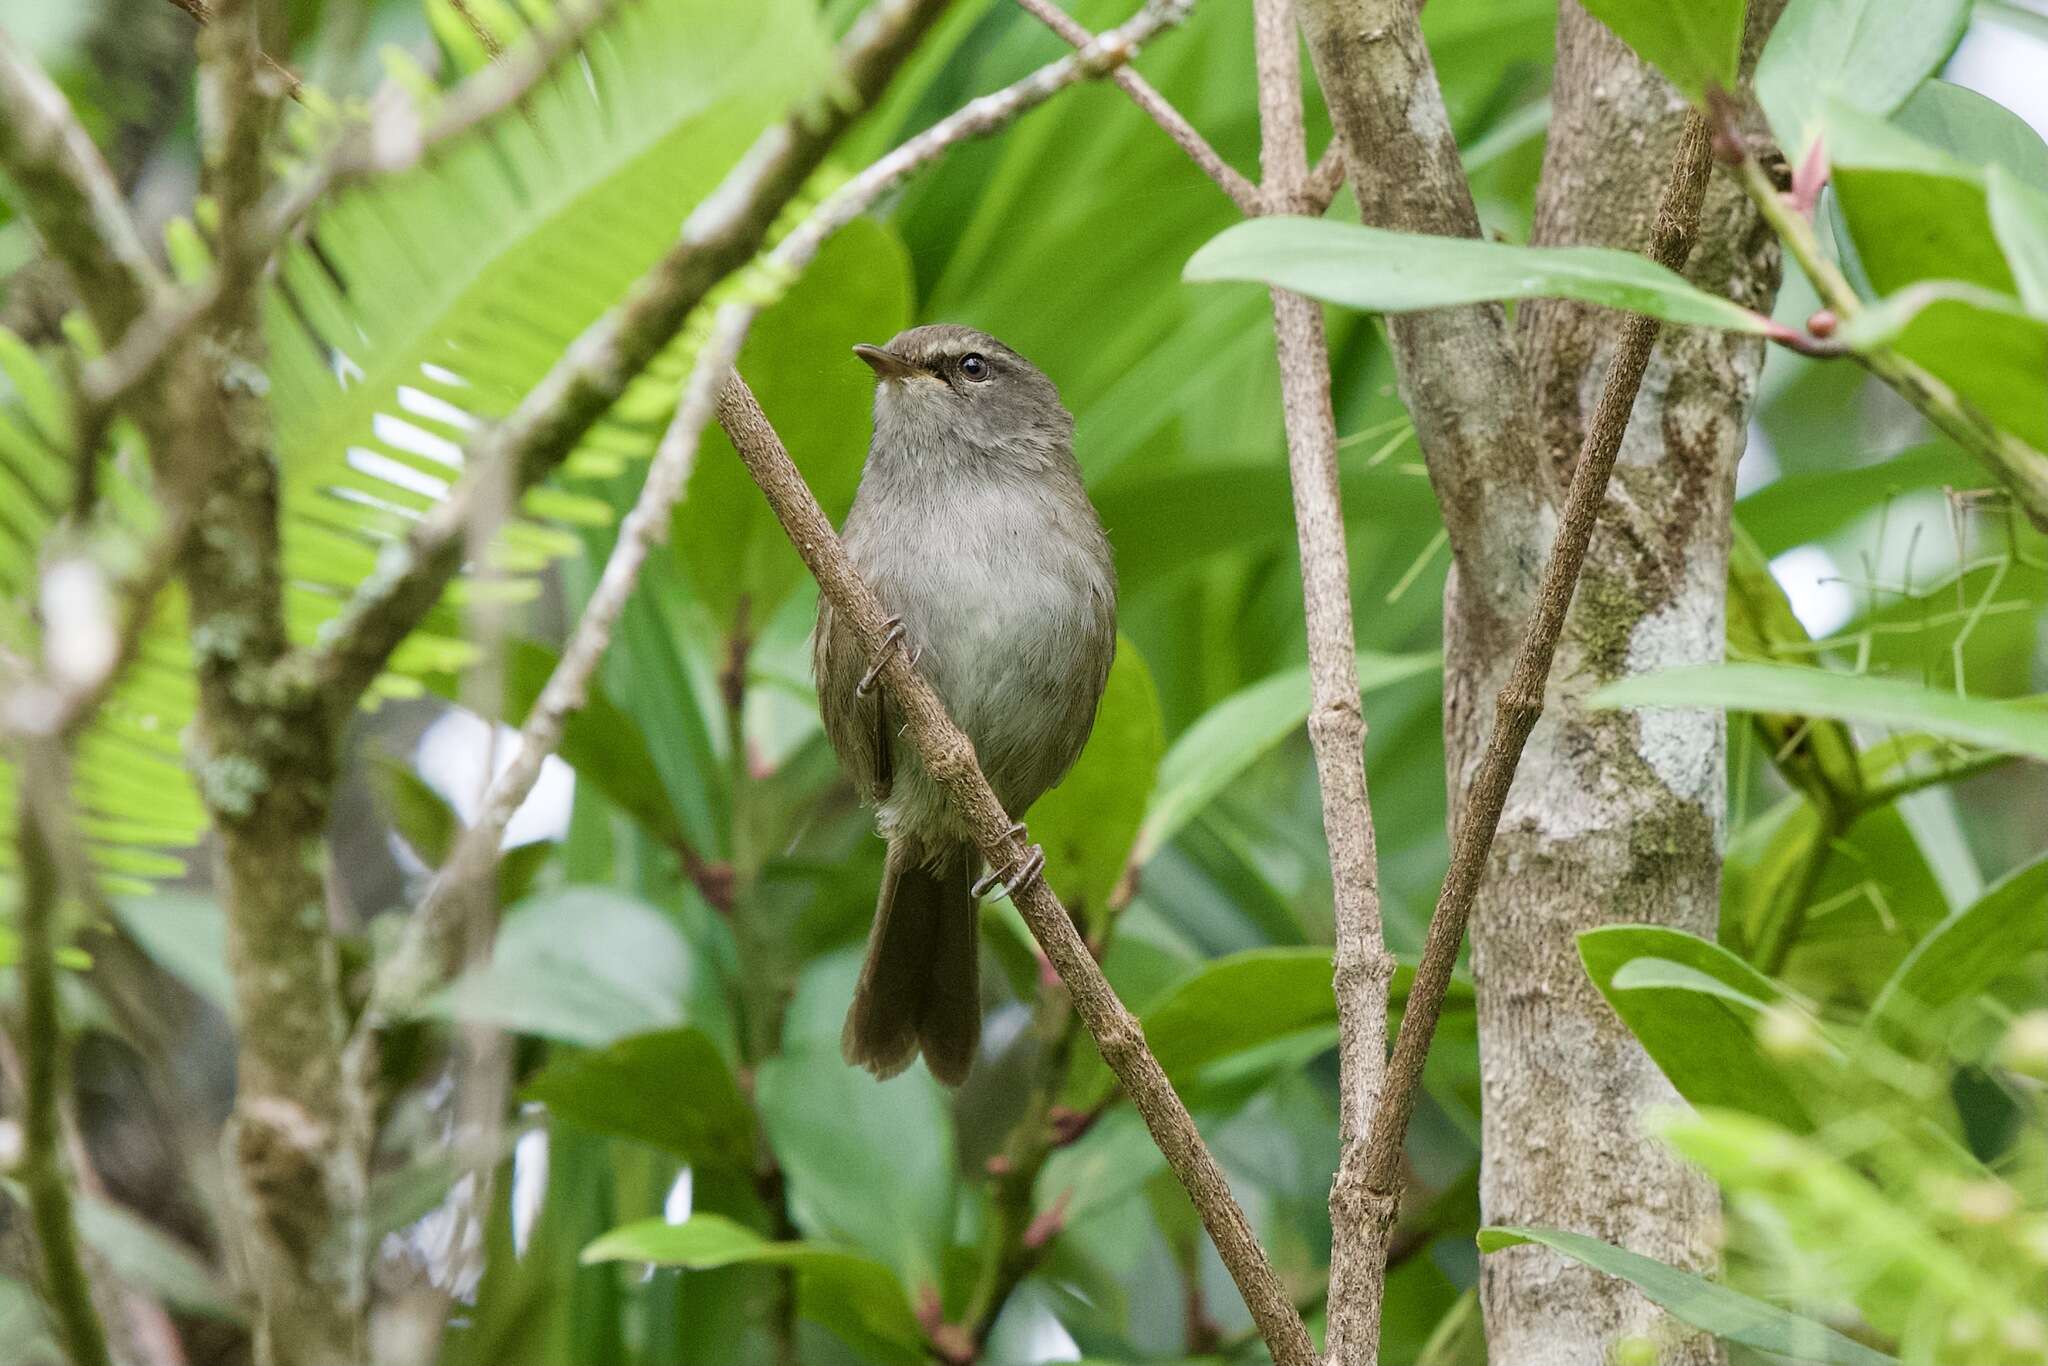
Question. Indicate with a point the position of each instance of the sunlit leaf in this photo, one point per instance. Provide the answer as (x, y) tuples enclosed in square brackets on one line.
[(1870, 53), (1700, 1302), (2009, 727), (1394, 272)]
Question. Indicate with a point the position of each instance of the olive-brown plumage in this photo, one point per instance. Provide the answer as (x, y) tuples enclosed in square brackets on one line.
[(972, 526)]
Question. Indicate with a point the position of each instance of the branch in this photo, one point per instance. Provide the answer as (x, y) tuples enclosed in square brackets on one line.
[(1521, 698), (67, 1288), (948, 757), (70, 196), (718, 238), (1459, 375), (1336, 722), (1242, 192)]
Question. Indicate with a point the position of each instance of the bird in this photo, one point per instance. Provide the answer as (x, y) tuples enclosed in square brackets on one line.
[(973, 528)]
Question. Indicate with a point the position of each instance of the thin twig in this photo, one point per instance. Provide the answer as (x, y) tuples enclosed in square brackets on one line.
[(1242, 192), (725, 229), (1521, 698), (67, 1287), (1336, 722), (948, 758)]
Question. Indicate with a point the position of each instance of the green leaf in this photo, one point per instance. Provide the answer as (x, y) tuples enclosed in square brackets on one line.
[(1869, 53), (1982, 345), (868, 1163), (1691, 1299), (1915, 212), (2019, 215), (582, 965), (1396, 272), (420, 815), (799, 361), (1087, 823), (1696, 45), (670, 1090), (186, 936), (2009, 727), (853, 1295), (1693, 1006), (2001, 934), (1976, 130), (1232, 735)]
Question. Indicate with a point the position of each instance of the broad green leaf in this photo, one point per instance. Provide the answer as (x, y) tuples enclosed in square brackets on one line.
[(849, 1293), (1692, 1299), (1915, 212), (1976, 130), (1234, 1005), (1694, 1008), (582, 965), (1088, 822), (868, 1163), (1233, 734), (1396, 272), (1696, 45), (2019, 215), (187, 937), (670, 1090), (25, 1325), (1870, 53), (2008, 727), (2004, 932), (799, 361)]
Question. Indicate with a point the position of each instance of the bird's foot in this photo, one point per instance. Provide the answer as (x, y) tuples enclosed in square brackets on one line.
[(891, 641), (1016, 877)]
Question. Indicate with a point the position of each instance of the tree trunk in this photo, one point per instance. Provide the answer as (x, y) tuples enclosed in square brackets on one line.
[(1616, 816)]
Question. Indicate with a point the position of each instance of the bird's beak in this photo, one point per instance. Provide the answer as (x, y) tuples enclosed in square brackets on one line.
[(886, 363)]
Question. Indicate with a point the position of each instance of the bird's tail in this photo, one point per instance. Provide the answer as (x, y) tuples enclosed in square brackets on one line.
[(918, 986)]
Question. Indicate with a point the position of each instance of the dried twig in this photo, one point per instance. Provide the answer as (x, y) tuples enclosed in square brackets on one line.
[(1521, 699), (1242, 192), (1336, 722), (949, 758)]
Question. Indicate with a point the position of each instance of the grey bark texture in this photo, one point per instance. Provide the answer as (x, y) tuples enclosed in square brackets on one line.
[(1616, 816)]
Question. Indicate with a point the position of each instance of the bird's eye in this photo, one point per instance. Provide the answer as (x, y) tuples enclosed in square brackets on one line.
[(975, 366)]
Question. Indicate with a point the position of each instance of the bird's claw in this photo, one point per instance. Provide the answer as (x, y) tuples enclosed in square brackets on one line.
[(1015, 878), (889, 642)]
